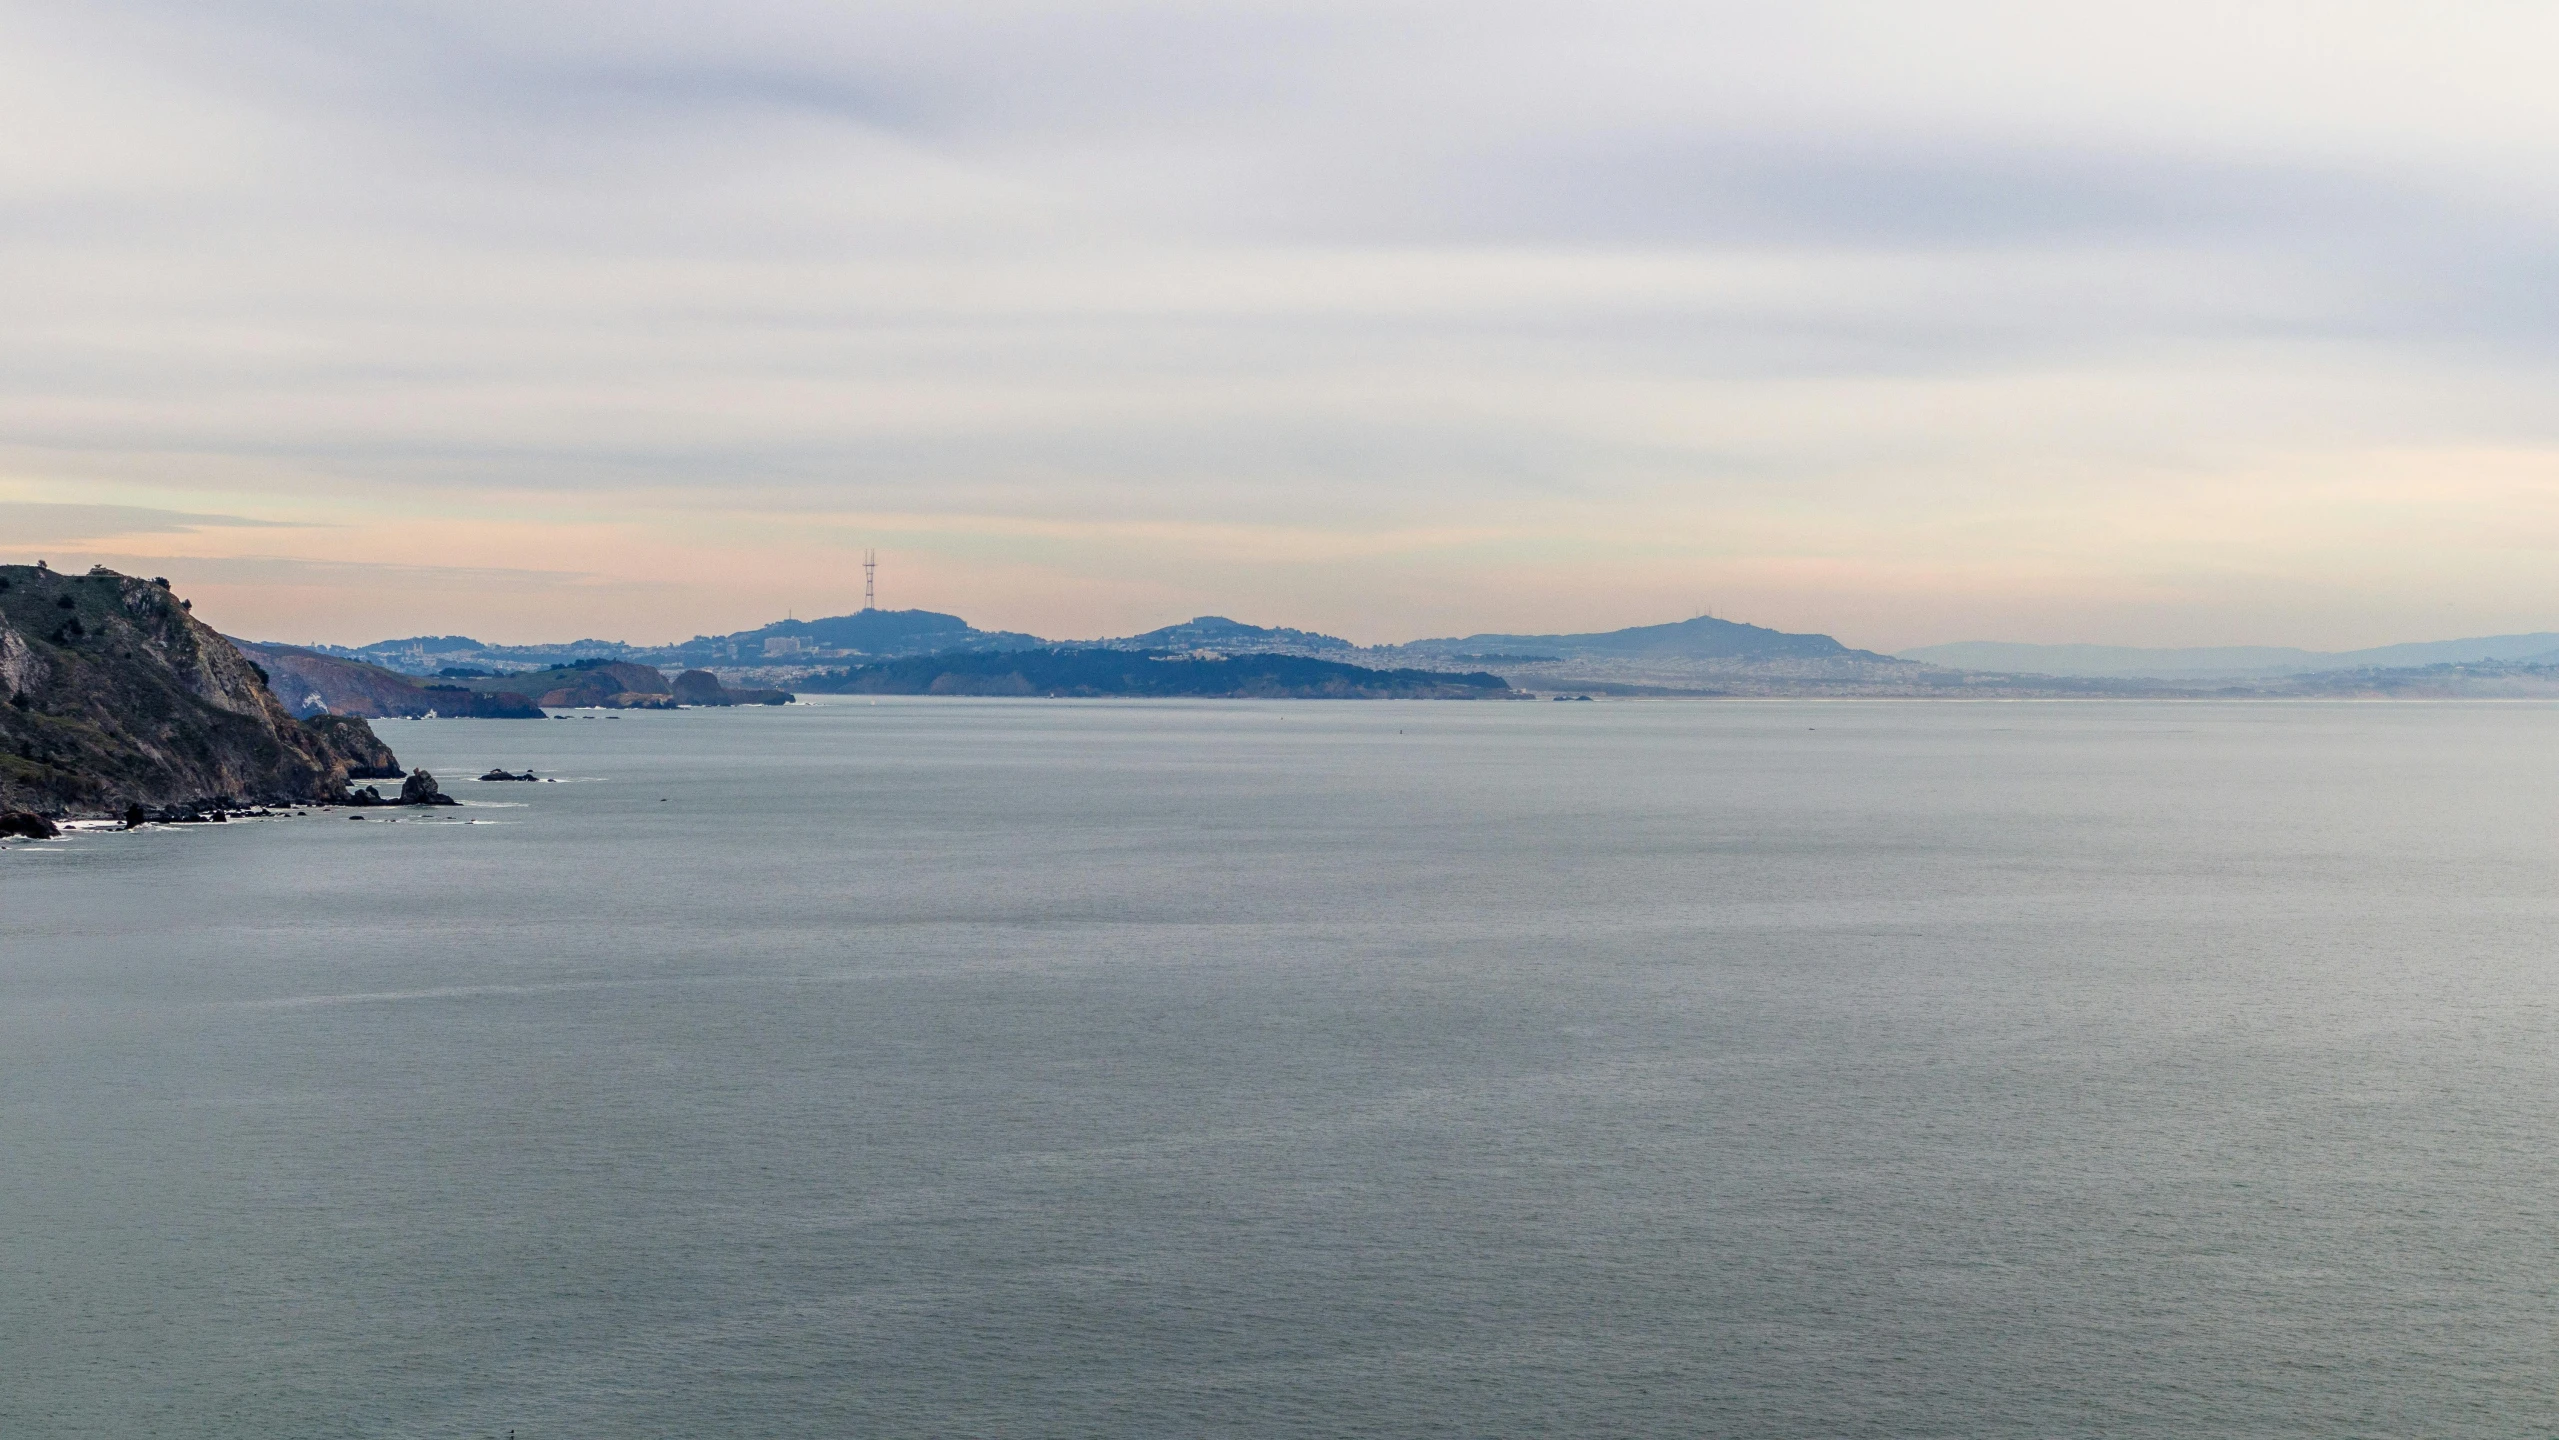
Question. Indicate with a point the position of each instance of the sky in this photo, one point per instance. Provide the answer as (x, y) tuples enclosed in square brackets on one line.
[(2169, 324)]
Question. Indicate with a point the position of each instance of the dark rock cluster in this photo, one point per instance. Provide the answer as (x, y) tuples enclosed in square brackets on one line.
[(212, 810), (419, 789)]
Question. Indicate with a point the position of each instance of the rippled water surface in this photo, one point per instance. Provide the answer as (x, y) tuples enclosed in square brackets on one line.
[(1303, 1069)]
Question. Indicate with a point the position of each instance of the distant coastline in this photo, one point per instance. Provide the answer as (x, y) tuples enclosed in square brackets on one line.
[(115, 700), (1138, 673), (1702, 657), (308, 682)]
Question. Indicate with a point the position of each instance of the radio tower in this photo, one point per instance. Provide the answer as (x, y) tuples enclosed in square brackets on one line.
[(870, 568)]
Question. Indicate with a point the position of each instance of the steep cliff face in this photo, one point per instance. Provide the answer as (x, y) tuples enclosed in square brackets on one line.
[(355, 746), (111, 694)]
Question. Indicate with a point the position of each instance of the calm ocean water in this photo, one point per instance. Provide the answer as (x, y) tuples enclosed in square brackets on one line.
[(1298, 1069)]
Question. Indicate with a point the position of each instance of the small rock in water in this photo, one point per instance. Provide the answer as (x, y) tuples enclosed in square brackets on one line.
[(420, 789)]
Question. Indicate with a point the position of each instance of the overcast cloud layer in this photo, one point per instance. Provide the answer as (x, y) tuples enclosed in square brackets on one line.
[(2171, 324)]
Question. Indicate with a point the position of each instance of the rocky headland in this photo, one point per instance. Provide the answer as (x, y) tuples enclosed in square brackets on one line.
[(114, 700), (701, 687), (610, 685), (309, 683)]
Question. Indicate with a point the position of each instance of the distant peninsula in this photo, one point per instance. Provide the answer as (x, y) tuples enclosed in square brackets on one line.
[(1091, 672), (309, 682), (1702, 638)]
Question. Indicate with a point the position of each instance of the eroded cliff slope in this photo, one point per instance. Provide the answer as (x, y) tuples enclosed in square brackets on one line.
[(111, 695)]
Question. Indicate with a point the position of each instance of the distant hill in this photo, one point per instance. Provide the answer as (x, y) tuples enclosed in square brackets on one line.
[(864, 634), (1704, 638), (1216, 632), (868, 633), (1103, 672), (2227, 662)]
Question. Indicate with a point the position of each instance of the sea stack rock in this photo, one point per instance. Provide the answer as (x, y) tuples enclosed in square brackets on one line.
[(28, 824), (700, 687), (420, 789)]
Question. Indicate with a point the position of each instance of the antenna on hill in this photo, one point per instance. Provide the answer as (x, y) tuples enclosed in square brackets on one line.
[(870, 572)]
